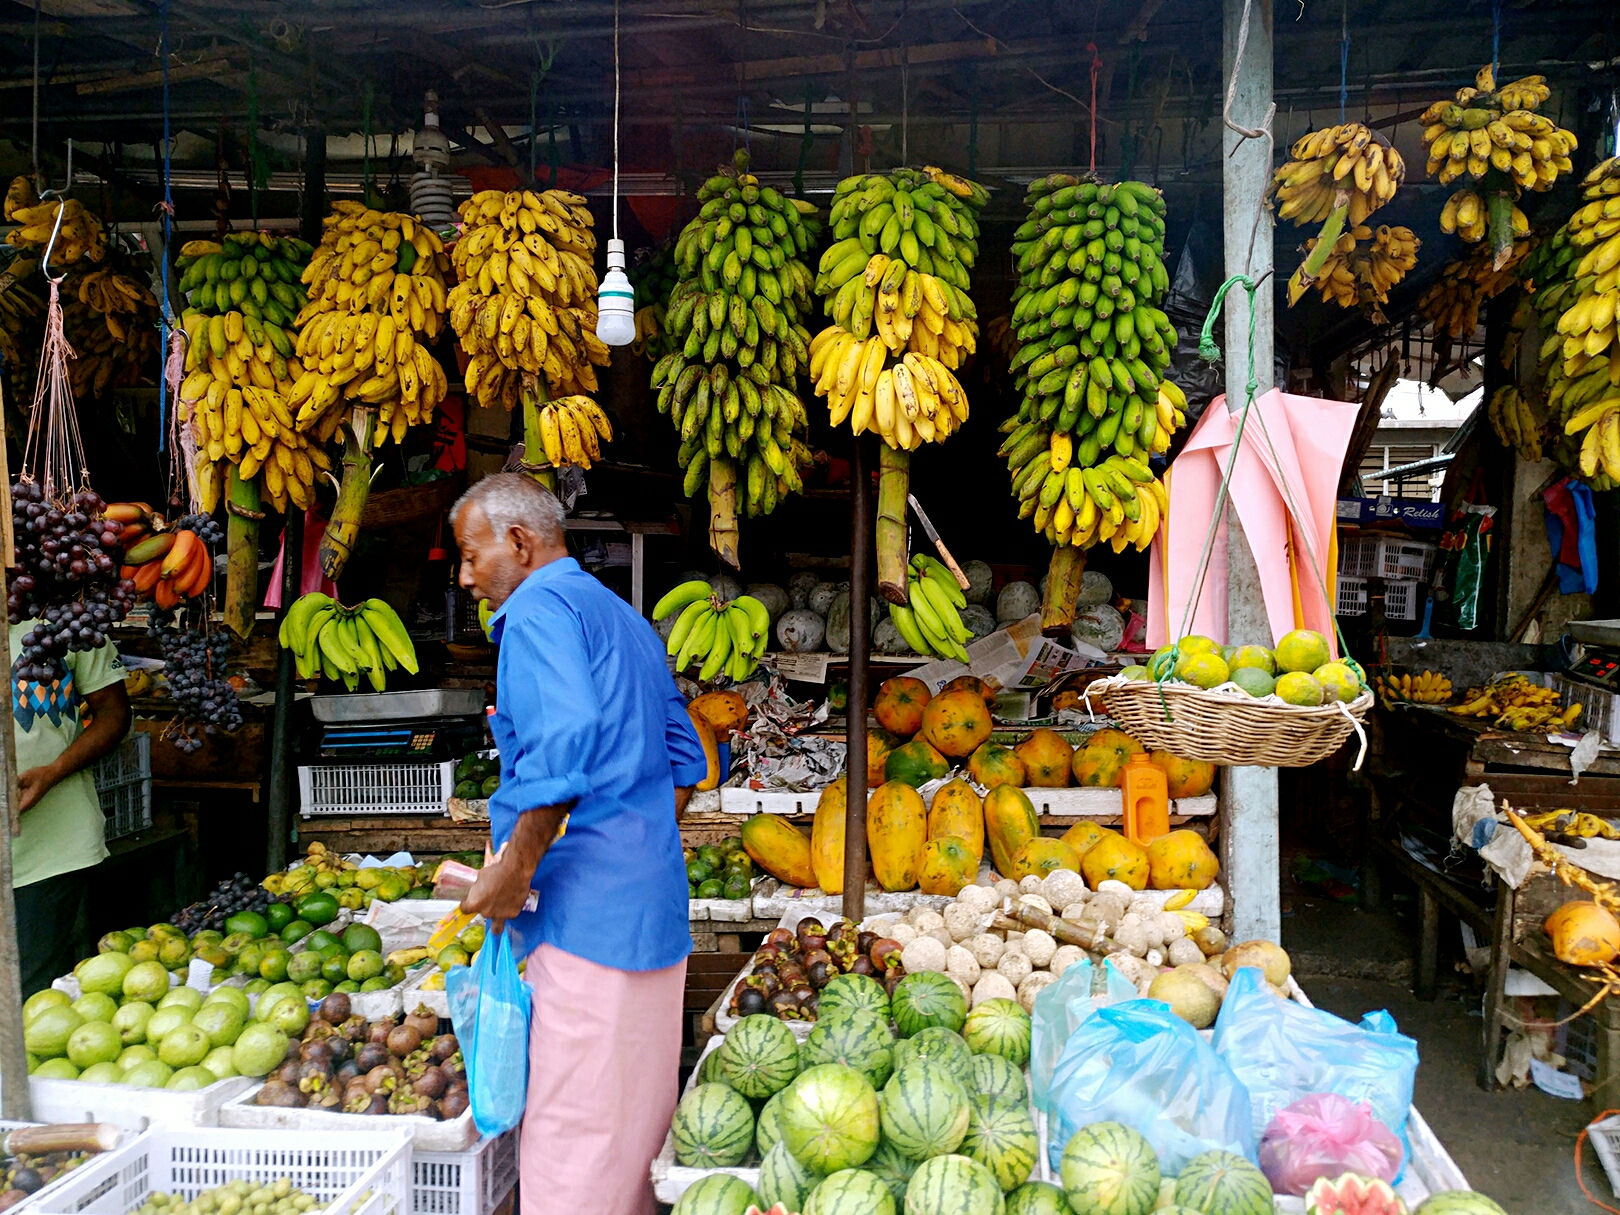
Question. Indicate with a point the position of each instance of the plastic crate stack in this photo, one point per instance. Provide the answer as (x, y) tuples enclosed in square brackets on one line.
[(124, 786), (1403, 565)]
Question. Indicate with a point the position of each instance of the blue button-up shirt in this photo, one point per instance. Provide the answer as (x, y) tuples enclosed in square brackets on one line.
[(586, 711)]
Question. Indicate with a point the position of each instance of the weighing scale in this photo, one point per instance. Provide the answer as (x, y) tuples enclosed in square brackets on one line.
[(1596, 659), (431, 740)]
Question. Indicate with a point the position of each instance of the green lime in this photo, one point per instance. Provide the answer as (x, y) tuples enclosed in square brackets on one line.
[(1254, 681), (466, 790), (711, 889)]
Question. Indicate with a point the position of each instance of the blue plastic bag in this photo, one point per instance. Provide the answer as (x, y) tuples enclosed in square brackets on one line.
[(1061, 1008), (1140, 1064), (489, 1008), (1282, 1051)]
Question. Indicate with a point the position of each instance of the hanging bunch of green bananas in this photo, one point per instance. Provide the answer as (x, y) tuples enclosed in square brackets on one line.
[(725, 637), (653, 278), (1093, 347), (737, 312), (929, 621), (342, 643)]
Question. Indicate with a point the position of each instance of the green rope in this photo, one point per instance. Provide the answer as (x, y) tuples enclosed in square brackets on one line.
[(365, 131)]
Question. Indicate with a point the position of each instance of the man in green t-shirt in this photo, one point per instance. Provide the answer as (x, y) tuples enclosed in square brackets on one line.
[(60, 834)]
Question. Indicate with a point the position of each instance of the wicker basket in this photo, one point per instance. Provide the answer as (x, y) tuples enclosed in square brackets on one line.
[(1228, 726), (407, 504)]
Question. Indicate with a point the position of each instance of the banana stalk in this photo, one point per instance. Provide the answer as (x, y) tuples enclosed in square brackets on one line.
[(1499, 192), (343, 528), (894, 481), (1062, 590), (242, 515), (535, 395), (1326, 238), (723, 510)]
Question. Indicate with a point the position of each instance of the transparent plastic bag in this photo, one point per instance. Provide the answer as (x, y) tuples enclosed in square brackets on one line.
[(1324, 1135), (1138, 1063), (489, 1008), (1282, 1051), (1061, 1008)]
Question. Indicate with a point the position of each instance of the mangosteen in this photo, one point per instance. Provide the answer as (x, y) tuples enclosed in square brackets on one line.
[(862, 965), (378, 1031), (371, 1056), (377, 1105), (891, 980), (811, 936), (784, 1005), (318, 1030), (26, 1180), (885, 954), (453, 1104), (403, 1039), (431, 1083), (279, 1093), (356, 1028), (749, 1002), (820, 973), (864, 941), (334, 1010), (809, 1007), (338, 1047), (382, 1079), (444, 1046), (424, 1021), (812, 956), (783, 939), (294, 1046), (289, 1073), (315, 1049)]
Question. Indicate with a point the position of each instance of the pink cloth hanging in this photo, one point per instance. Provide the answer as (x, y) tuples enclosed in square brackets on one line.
[(311, 579)]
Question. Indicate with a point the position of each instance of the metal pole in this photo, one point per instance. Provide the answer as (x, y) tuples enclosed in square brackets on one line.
[(1249, 839), (860, 651), (15, 1101)]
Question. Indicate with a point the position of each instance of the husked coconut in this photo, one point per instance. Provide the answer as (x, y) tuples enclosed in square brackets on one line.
[(1014, 967), (980, 898), (1183, 952), (924, 919), (942, 935), (1063, 888), (1031, 884), (1035, 902), (1115, 886), (1039, 946), (961, 965), (902, 932), (1014, 936), (1064, 957), (1133, 969), (961, 921), (1006, 888), (1171, 927), (987, 949), (993, 985), (1131, 936), (924, 953), (1145, 905), (1033, 984)]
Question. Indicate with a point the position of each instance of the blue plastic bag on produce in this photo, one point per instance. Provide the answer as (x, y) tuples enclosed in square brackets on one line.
[(489, 1009), (1061, 1008), (1138, 1063), (1282, 1050)]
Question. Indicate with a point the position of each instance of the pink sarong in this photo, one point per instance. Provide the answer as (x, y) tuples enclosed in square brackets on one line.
[(604, 1058)]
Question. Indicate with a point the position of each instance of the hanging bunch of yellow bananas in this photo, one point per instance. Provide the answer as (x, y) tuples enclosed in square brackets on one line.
[(1335, 275), (1495, 137), (81, 234), (376, 283), (572, 430), (1424, 688), (1350, 274), (526, 303), (21, 310), (1452, 302), (1393, 252), (1516, 423), (111, 321), (1350, 166)]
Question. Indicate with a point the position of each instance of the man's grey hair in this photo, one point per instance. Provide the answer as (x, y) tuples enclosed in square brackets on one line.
[(511, 500)]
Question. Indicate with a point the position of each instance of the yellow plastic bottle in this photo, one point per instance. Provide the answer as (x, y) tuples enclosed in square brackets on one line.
[(1147, 800)]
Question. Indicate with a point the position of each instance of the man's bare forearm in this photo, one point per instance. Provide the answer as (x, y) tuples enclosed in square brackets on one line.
[(532, 836)]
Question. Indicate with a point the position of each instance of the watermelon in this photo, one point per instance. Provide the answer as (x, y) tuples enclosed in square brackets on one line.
[(850, 1192), (716, 1194), (1223, 1183), (1037, 1198), (992, 1076), (1002, 1138), (855, 1038), (714, 1127), (1458, 1202), (1352, 1194), (927, 998), (709, 1069), (953, 1185), (925, 1111), (891, 1168), (942, 1046), (767, 1133), (829, 1118), (1110, 1169), (853, 991), (784, 1180), (759, 1056), (999, 1027)]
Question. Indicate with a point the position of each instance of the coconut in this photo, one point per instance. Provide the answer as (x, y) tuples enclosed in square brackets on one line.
[(1017, 600), (993, 986), (980, 898), (1039, 946), (1014, 967), (666, 626), (987, 949), (801, 631), (1064, 957), (821, 598), (1032, 985), (924, 953), (961, 921), (799, 587), (1006, 888), (926, 919), (1270, 959), (1188, 996), (886, 639), (726, 587), (838, 623), (980, 577), (772, 596), (961, 965), (1183, 953), (903, 933), (978, 620), (1063, 888)]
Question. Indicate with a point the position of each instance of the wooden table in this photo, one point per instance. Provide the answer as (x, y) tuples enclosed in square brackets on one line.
[(381, 834)]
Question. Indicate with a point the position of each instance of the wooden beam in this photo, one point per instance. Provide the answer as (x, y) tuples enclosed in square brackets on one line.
[(820, 65), (211, 69)]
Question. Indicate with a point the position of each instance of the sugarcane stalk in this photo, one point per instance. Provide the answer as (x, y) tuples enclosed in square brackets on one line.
[(723, 510), (534, 447), (894, 483), (1062, 590), (343, 528), (242, 515)]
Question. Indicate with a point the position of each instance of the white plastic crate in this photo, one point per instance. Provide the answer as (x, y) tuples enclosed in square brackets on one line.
[(364, 1173), (375, 788), (1357, 555), (1601, 710), (1352, 597), (1400, 600), (473, 1182), (1402, 559), (124, 786)]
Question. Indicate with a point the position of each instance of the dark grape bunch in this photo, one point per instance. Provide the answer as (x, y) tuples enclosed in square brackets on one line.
[(208, 531), (238, 893), (194, 665), (66, 578)]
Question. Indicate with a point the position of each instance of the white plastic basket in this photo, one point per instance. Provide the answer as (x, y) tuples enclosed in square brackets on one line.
[(1357, 556), (474, 1182), (375, 788), (1352, 597), (1600, 709), (124, 786), (367, 1173), (1402, 559), (1400, 600)]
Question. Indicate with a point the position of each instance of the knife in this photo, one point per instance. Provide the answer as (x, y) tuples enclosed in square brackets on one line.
[(944, 553)]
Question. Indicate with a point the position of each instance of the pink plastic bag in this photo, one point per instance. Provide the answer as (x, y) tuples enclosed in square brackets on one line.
[(1323, 1135)]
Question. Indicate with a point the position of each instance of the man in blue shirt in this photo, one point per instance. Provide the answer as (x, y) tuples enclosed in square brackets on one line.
[(598, 756)]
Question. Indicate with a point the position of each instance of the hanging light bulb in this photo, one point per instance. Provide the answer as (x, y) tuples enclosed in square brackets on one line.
[(615, 298)]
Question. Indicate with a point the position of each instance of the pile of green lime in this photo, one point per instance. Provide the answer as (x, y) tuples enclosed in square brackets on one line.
[(719, 871), (476, 776), (234, 1198), (1300, 669)]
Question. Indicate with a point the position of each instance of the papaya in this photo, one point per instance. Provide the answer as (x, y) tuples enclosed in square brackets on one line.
[(956, 722), (972, 683), (896, 830), (993, 764), (1583, 934), (957, 811), (711, 749), (916, 763), (1009, 824), (1184, 777), (947, 866), (827, 837), (900, 703), (1045, 756), (724, 711), (879, 743), (779, 848), (1100, 763), (1042, 856), (1083, 835), (1181, 861), (1117, 858)]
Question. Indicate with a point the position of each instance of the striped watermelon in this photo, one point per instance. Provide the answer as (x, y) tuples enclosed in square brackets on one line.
[(716, 1194), (1037, 1198), (855, 1038), (992, 1076), (942, 1046), (953, 1185), (784, 1180), (999, 1027), (891, 1168), (709, 1069), (1223, 1183), (927, 998), (1002, 1138), (853, 991), (850, 1192), (759, 1056), (714, 1127), (925, 1111), (766, 1130), (1110, 1169), (829, 1118), (1458, 1202)]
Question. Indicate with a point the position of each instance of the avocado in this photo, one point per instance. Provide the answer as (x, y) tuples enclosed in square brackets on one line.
[(467, 766), (467, 790), (490, 784), (736, 887)]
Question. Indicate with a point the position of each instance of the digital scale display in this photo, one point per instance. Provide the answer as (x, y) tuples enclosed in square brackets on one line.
[(439, 740), (1599, 667)]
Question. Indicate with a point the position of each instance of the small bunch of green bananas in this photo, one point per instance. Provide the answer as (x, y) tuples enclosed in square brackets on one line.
[(1515, 422), (929, 621), (653, 277), (341, 643), (728, 637)]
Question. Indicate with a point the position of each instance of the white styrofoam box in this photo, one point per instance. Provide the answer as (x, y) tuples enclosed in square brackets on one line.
[(414, 993), (364, 1173), (773, 900), (473, 1182), (724, 911), (427, 1134), (1106, 803), (134, 1109), (745, 802)]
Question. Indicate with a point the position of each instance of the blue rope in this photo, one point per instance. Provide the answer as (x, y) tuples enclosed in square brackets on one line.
[(1344, 59), (1496, 35), (165, 314)]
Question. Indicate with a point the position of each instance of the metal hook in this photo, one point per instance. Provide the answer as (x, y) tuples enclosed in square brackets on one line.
[(45, 262), (68, 184)]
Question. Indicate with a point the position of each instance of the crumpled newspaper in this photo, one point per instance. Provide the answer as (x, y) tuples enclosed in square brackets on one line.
[(1474, 822), (772, 753)]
